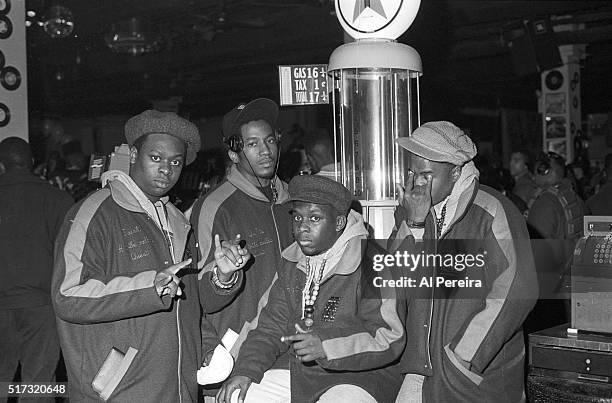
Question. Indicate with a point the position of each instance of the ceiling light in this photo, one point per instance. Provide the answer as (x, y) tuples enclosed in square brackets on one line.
[(58, 22), (132, 37)]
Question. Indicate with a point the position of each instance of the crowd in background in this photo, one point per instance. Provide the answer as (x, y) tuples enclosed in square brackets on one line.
[(68, 169)]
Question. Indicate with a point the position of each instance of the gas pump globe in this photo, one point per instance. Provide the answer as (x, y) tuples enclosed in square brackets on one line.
[(375, 99)]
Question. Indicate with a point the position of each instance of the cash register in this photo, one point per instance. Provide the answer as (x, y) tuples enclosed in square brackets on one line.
[(573, 362)]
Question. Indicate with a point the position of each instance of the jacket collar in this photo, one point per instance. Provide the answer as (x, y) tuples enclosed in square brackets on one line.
[(462, 194), (344, 257), (237, 179), (126, 193)]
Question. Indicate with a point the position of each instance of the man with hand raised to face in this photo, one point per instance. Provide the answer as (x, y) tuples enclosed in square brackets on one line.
[(343, 335), (248, 202), (128, 305), (463, 344)]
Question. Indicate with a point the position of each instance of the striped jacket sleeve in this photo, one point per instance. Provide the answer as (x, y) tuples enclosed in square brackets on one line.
[(263, 346), (373, 338), (82, 290), (208, 218), (510, 274)]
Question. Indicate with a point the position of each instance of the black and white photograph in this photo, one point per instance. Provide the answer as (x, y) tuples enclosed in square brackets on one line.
[(305, 201)]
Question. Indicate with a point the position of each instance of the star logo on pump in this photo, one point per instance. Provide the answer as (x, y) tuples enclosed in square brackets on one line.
[(366, 6), (369, 16)]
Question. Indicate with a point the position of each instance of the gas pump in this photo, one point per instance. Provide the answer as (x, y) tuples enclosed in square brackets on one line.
[(374, 84)]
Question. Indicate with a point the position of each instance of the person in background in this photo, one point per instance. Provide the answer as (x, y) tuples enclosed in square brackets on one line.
[(292, 159), (345, 335), (555, 218), (126, 301), (601, 202), (247, 202), (502, 180), (319, 147), (463, 344), (520, 169), (31, 213), (293, 162)]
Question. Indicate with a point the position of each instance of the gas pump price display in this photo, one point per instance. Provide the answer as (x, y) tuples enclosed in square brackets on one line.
[(304, 84)]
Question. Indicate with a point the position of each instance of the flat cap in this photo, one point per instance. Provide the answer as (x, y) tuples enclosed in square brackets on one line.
[(152, 121), (320, 190), (440, 141), (258, 109)]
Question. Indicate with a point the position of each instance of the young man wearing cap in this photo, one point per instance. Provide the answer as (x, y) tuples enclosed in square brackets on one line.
[(129, 326), (463, 344), (343, 333), (247, 202)]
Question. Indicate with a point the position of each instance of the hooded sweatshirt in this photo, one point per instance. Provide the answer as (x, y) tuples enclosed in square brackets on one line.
[(108, 252), (480, 327), (235, 207), (361, 328)]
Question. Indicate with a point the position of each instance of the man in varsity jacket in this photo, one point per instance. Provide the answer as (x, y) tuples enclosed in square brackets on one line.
[(247, 203), (344, 335), (464, 340), (128, 307)]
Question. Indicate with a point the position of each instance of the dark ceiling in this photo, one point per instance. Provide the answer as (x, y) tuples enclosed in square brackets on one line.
[(213, 66)]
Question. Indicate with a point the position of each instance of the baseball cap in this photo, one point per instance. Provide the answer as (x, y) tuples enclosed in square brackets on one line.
[(258, 109)]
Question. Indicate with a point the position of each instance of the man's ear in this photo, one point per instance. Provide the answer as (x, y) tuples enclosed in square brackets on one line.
[(340, 223), (133, 155), (233, 156)]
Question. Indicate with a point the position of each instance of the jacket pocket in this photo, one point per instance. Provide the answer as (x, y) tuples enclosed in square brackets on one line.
[(472, 376), (112, 371)]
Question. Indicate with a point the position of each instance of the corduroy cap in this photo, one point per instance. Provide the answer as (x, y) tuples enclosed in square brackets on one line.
[(320, 190), (258, 109), (152, 121), (440, 141)]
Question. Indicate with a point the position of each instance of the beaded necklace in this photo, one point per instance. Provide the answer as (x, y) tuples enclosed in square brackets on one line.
[(313, 280), (440, 221)]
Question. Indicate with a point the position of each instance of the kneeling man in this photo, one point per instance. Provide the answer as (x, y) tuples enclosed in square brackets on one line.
[(344, 335)]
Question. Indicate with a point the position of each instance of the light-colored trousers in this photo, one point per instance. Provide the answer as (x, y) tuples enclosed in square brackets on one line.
[(275, 387)]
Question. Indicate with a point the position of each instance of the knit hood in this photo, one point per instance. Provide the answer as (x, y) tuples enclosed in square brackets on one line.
[(237, 179), (462, 193)]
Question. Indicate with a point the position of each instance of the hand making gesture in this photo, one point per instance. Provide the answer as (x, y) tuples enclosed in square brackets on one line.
[(306, 345), (167, 283), (416, 199), (230, 256)]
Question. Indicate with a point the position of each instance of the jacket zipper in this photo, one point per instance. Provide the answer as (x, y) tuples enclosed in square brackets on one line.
[(276, 229), (178, 331), (169, 245)]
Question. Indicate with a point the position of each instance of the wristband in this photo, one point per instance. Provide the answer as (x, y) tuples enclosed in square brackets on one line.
[(232, 281), (415, 224)]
